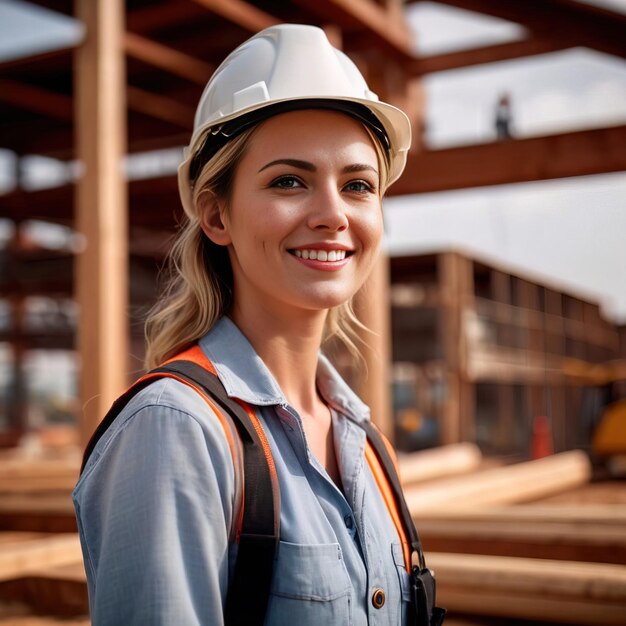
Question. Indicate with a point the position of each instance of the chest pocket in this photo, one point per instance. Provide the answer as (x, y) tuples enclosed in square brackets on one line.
[(310, 587)]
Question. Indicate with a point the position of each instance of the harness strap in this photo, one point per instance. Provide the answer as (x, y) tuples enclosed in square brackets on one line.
[(248, 593), (395, 500), (258, 535), (423, 585)]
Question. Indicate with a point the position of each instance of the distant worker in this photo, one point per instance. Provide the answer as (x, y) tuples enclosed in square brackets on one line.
[(242, 481), (504, 117)]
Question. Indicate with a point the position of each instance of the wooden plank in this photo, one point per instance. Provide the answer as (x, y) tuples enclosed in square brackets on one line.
[(154, 17), (573, 22), (168, 59), (381, 26), (544, 533), (521, 482), (22, 555), (37, 100), (101, 210), (38, 58), (477, 56), (60, 590), (578, 153), (47, 512), (243, 14), (458, 458), (541, 589), (160, 107)]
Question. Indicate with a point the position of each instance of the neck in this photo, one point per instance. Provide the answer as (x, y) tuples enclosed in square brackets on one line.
[(289, 346)]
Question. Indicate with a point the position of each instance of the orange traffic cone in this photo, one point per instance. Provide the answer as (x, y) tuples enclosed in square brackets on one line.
[(542, 438)]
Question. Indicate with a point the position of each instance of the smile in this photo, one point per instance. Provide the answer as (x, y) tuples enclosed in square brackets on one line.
[(320, 255)]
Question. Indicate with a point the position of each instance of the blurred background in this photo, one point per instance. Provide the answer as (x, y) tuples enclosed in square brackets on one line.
[(499, 306)]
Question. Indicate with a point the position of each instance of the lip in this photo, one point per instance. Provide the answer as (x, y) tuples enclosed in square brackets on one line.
[(324, 245)]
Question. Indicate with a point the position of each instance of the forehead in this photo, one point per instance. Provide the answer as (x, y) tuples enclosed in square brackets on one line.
[(312, 133)]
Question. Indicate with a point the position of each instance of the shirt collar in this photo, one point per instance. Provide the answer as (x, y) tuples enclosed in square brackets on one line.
[(245, 376)]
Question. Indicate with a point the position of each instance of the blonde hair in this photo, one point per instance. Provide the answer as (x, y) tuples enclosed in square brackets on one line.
[(199, 283)]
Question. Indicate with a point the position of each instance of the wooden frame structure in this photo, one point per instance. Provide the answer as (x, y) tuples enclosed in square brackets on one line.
[(71, 104), (506, 348)]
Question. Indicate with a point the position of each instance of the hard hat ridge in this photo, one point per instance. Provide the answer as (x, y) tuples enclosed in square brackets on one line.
[(287, 63)]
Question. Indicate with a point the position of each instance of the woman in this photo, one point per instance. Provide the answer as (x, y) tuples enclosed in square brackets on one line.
[(282, 187)]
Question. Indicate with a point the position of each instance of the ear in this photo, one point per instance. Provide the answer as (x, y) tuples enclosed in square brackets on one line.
[(211, 213)]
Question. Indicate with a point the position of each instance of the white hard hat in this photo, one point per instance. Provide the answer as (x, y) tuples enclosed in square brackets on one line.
[(281, 68)]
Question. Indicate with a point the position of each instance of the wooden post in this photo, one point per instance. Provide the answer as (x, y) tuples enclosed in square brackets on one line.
[(101, 209), (373, 309), (456, 288)]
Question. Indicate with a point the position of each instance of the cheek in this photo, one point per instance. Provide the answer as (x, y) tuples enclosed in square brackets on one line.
[(372, 228)]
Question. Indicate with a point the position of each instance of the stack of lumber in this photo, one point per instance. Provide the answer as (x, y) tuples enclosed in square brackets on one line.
[(592, 533), (497, 555), (35, 493), (42, 579), (43, 571), (533, 589)]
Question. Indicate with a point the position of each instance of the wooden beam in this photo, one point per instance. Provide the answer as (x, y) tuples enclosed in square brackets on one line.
[(38, 513), (243, 14), (38, 58), (101, 210), (535, 589), (372, 307), (522, 482), (535, 533), (168, 59), (478, 56), (382, 25), (36, 100), (60, 591), (578, 153), (22, 553), (19, 475), (159, 107), (154, 17), (459, 458), (573, 23)]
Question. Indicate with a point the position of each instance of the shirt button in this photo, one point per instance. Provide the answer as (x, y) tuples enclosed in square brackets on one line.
[(348, 521), (378, 598)]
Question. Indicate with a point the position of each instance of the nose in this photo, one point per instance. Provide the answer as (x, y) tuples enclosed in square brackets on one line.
[(328, 211)]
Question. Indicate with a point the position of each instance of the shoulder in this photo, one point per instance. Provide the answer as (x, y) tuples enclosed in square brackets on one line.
[(167, 419)]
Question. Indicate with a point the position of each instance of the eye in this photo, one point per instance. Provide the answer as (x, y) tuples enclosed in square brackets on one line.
[(359, 186), (286, 182)]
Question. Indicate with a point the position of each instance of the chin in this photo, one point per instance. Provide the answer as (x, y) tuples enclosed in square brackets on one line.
[(327, 300)]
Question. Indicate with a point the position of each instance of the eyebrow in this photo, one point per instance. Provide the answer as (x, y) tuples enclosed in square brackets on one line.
[(310, 167)]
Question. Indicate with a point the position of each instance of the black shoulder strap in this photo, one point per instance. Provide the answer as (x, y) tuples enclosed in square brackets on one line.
[(426, 613), (249, 591)]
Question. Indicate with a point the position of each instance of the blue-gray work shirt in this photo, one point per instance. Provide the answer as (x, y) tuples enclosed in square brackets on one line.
[(157, 501)]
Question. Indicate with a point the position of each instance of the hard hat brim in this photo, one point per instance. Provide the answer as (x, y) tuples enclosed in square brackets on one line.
[(394, 121)]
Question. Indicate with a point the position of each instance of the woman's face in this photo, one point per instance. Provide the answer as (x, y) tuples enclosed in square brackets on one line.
[(304, 221)]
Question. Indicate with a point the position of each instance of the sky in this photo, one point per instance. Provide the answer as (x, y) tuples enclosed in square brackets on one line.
[(566, 232)]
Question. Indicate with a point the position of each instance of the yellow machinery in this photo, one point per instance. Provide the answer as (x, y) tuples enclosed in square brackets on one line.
[(609, 437)]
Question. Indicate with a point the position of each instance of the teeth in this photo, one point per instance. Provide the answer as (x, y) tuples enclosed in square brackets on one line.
[(321, 255)]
